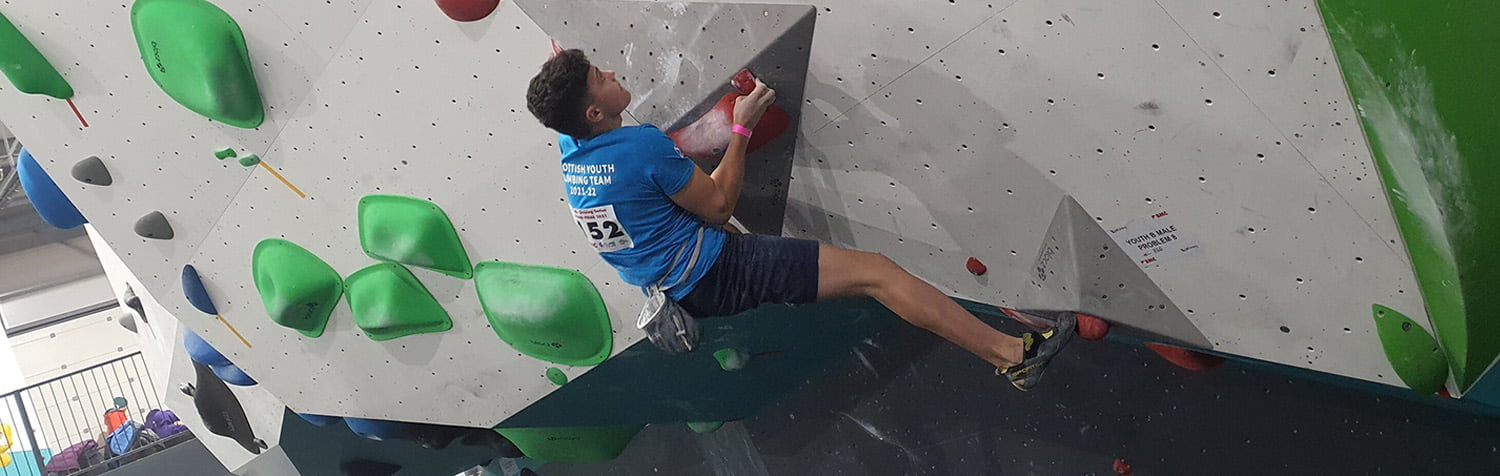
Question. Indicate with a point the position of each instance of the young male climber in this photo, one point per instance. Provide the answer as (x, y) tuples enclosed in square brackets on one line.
[(644, 206)]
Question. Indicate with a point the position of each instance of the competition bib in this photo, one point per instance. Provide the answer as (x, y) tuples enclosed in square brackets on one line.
[(603, 228)]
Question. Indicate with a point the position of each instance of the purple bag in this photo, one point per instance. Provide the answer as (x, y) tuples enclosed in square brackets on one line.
[(164, 423), (69, 459)]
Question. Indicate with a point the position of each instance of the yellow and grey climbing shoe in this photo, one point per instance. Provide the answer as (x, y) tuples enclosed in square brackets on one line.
[(1040, 348)]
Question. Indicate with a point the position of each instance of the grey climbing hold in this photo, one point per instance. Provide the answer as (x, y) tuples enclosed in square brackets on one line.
[(127, 320), (93, 172), (154, 226)]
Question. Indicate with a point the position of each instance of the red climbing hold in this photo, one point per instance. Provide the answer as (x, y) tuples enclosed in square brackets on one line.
[(743, 81), (708, 137), (467, 10), (1121, 467), (1092, 328), (976, 267), (1187, 359), (556, 50)]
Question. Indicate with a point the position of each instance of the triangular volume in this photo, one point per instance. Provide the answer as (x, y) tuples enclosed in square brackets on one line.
[(1052, 280), (1084, 268), (1413, 353), (681, 71)]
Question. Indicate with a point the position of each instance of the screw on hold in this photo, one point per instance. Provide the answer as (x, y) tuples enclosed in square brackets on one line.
[(225, 153), (556, 376), (976, 267), (250, 160), (731, 359)]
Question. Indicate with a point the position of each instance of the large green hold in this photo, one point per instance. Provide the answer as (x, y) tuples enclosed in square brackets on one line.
[(25, 66), (571, 444), (298, 289), (551, 314), (389, 302), (196, 53), (413, 232), (1422, 78), (1413, 353)]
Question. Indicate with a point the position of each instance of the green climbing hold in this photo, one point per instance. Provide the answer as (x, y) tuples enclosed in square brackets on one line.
[(1412, 352), (298, 289), (389, 302), (571, 444), (250, 160), (413, 232), (705, 427), (25, 66), (731, 359), (557, 376), (224, 153), (552, 314), (196, 53)]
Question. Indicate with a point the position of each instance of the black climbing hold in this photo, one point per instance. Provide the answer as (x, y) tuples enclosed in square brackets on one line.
[(220, 410), (154, 226), (93, 172), (127, 322), (134, 303)]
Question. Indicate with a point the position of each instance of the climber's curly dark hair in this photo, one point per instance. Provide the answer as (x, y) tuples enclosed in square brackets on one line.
[(559, 93)]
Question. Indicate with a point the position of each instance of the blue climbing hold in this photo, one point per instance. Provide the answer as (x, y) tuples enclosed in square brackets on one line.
[(426, 435), (199, 351), (49, 200), (320, 420), (192, 287), (231, 374)]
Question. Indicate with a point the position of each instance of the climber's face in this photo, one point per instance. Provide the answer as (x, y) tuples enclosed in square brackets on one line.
[(608, 98)]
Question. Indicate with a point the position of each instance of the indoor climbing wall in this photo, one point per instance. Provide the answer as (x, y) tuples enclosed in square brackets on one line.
[(389, 238), (957, 130), (251, 409)]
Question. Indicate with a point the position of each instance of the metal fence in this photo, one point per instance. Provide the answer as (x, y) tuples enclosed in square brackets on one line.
[(41, 421)]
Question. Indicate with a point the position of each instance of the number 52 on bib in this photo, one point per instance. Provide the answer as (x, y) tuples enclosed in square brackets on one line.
[(603, 228)]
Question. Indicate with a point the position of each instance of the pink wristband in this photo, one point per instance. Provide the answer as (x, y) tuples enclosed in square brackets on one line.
[(741, 130)]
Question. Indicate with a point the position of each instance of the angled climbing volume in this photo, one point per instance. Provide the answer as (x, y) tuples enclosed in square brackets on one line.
[(1412, 352)]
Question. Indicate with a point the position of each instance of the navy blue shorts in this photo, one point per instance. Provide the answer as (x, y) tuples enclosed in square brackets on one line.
[(753, 270)]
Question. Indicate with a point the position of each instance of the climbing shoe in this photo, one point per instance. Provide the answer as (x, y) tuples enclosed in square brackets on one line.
[(1040, 348)]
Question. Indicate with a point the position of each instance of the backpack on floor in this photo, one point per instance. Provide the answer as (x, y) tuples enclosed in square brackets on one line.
[(164, 423), (124, 438), (69, 459)]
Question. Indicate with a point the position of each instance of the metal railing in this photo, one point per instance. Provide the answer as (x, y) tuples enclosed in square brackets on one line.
[(47, 418)]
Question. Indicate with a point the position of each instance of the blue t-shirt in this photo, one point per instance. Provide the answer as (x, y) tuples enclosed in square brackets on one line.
[(619, 185)]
